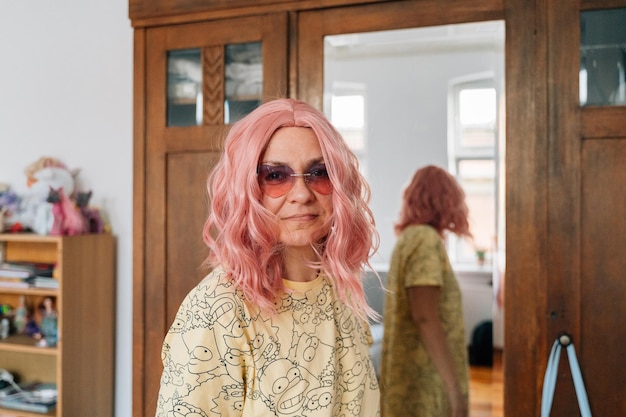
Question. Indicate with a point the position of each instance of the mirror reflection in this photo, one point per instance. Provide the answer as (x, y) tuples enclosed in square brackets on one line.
[(408, 98)]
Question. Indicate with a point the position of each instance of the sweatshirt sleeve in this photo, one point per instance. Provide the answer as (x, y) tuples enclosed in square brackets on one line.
[(204, 357)]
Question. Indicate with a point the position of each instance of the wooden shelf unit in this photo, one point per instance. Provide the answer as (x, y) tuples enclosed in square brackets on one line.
[(82, 363)]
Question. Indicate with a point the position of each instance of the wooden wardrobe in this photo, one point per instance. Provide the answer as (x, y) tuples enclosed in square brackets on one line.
[(565, 173)]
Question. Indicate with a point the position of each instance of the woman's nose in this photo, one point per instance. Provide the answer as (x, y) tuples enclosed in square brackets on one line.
[(300, 189)]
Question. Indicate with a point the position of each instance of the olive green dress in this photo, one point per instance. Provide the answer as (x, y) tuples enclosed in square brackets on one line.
[(410, 384)]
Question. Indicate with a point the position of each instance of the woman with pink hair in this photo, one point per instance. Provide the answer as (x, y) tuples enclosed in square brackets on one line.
[(424, 333), (279, 326)]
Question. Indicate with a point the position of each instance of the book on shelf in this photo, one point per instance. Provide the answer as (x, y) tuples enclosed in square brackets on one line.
[(14, 282), (42, 282), (24, 269), (29, 282), (39, 397)]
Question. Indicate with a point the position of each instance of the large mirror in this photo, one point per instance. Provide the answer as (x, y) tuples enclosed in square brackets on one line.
[(433, 95)]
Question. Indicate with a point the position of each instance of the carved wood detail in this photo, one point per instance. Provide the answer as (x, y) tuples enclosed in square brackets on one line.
[(213, 86)]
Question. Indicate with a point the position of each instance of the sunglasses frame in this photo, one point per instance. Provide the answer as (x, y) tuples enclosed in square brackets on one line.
[(318, 183)]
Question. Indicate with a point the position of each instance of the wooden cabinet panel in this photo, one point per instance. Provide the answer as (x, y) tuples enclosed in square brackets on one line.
[(172, 164), (156, 8), (603, 239), (586, 179), (159, 12), (187, 203)]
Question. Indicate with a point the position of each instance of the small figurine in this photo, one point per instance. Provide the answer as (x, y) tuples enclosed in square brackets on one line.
[(21, 316), (49, 332), (4, 328)]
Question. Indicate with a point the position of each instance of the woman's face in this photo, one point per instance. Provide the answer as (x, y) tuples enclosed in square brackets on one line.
[(301, 211)]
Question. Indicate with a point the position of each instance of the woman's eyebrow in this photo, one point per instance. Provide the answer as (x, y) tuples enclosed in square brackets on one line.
[(318, 160), (314, 161), (272, 163)]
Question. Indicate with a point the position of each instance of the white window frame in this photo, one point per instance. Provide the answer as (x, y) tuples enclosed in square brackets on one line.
[(462, 251), (340, 89)]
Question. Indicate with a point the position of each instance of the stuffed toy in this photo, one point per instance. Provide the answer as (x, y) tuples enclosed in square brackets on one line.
[(53, 205), (94, 222), (34, 211), (67, 219)]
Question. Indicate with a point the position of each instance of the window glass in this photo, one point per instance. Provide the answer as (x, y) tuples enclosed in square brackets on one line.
[(184, 87), (472, 159), (477, 177), (603, 57), (477, 116), (243, 79), (347, 114)]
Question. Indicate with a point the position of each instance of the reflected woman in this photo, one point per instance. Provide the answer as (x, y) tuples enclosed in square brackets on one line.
[(424, 370)]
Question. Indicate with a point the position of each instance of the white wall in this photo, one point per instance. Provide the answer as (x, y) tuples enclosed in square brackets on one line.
[(66, 92)]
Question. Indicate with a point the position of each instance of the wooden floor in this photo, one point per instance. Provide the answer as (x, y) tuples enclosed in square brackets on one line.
[(486, 392)]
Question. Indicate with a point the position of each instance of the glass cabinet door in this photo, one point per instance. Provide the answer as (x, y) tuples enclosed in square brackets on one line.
[(241, 86), (603, 57), (214, 73)]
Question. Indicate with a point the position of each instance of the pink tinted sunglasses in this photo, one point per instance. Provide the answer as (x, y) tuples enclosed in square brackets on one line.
[(278, 180)]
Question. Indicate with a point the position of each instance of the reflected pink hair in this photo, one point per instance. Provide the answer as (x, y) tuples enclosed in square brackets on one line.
[(434, 197), (242, 234)]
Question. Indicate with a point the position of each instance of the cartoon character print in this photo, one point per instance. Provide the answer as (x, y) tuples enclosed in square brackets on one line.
[(317, 356), (354, 377), (172, 371), (288, 388), (309, 309), (355, 365), (230, 400), (205, 358), (283, 302), (201, 361), (184, 409), (264, 345), (319, 399), (206, 313), (352, 380)]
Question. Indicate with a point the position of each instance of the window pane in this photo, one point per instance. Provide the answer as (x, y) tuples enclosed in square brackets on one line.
[(477, 177), (477, 115), (348, 116), (184, 87), (244, 80), (603, 57)]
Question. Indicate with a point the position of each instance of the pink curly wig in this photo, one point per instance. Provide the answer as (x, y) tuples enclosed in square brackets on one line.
[(434, 197), (242, 235)]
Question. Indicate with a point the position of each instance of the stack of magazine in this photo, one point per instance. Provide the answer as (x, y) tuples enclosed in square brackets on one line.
[(24, 274), (38, 397)]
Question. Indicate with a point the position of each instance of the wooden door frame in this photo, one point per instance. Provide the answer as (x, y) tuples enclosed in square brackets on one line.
[(526, 157)]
